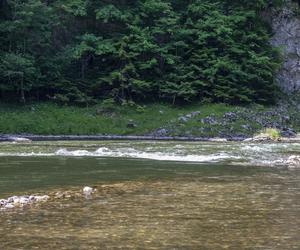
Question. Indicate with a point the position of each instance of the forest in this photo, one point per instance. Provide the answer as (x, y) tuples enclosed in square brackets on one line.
[(176, 51)]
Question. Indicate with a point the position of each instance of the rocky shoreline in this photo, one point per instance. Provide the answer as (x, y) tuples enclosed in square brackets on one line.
[(29, 138)]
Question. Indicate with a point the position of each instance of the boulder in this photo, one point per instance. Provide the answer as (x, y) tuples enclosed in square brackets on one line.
[(231, 116), (261, 138), (161, 132), (87, 190), (3, 202), (288, 132), (183, 119), (20, 139), (131, 124), (9, 206), (41, 198), (218, 140), (293, 161), (211, 120)]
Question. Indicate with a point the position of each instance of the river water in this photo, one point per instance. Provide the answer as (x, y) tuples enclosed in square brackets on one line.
[(151, 195)]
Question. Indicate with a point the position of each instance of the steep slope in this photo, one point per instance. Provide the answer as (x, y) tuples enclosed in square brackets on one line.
[(286, 27)]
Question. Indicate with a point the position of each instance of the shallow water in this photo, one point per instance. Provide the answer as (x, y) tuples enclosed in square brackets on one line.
[(152, 195)]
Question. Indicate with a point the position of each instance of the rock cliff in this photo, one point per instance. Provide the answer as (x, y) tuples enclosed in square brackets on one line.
[(286, 27)]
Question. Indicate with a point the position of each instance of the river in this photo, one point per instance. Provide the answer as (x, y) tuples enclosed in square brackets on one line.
[(152, 195)]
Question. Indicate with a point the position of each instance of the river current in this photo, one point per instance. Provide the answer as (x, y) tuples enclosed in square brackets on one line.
[(152, 195)]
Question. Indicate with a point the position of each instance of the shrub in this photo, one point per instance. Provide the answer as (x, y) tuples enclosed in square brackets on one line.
[(272, 133)]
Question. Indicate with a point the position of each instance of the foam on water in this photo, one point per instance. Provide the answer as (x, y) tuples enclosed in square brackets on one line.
[(26, 154), (268, 154), (132, 153)]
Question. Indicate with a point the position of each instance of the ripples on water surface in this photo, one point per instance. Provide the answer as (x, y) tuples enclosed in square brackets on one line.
[(152, 195)]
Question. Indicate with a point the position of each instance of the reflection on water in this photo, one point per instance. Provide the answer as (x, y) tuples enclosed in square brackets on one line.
[(148, 204)]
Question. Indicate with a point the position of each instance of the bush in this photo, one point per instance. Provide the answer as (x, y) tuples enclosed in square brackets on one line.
[(272, 133)]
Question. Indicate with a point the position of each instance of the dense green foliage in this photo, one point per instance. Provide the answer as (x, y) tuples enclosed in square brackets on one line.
[(80, 51)]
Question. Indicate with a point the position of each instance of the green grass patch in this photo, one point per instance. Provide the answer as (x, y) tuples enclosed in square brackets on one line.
[(272, 133), (210, 120)]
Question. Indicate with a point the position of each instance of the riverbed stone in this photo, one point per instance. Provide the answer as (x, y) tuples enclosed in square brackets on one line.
[(24, 201), (31, 198), (87, 190), (41, 198), (3, 202), (9, 206)]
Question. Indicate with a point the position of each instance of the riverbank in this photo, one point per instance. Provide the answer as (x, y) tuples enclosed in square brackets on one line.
[(28, 138), (153, 121)]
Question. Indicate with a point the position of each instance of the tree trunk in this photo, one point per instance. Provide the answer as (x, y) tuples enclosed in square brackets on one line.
[(82, 68), (22, 89), (174, 100)]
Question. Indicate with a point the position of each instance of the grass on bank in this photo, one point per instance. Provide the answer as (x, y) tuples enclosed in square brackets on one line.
[(53, 119), (111, 119), (272, 133)]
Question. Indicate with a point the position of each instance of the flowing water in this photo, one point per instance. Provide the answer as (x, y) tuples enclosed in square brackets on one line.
[(151, 195)]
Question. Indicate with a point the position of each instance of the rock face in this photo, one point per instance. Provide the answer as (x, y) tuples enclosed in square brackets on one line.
[(286, 27)]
